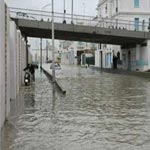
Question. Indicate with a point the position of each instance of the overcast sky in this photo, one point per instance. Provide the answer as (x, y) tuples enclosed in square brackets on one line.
[(79, 5)]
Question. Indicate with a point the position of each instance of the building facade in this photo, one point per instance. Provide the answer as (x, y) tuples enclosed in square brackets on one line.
[(77, 52), (137, 14)]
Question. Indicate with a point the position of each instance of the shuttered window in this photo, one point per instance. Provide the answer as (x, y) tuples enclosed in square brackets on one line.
[(136, 3)]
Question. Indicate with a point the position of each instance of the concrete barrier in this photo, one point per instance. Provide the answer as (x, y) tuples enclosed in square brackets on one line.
[(58, 85), (2, 63), (124, 72)]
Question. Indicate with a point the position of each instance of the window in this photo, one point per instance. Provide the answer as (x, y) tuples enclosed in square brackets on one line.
[(99, 12), (116, 5), (136, 24), (136, 3), (149, 25), (143, 25), (106, 8)]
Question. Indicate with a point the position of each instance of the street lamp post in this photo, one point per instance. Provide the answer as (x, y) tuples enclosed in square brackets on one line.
[(41, 54), (41, 38), (47, 51), (53, 46), (64, 12), (72, 12)]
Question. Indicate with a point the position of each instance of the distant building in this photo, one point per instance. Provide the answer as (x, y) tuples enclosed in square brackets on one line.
[(46, 54), (74, 53), (137, 12)]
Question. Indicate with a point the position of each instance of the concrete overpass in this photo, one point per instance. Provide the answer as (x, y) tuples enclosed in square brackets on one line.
[(88, 33)]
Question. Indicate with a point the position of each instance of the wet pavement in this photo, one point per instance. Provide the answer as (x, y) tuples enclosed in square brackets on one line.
[(100, 111)]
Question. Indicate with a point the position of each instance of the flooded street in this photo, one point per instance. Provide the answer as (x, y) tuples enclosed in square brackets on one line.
[(100, 111)]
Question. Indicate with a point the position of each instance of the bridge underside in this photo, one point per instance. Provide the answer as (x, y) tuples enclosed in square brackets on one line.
[(31, 28)]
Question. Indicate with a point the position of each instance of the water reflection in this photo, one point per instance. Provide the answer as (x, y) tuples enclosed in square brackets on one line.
[(10, 129), (53, 99), (30, 97)]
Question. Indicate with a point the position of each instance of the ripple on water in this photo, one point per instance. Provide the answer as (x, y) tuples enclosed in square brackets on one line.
[(100, 111)]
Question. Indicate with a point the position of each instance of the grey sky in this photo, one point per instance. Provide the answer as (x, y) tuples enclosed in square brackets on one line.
[(79, 5)]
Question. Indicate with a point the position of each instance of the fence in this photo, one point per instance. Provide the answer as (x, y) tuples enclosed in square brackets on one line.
[(46, 16)]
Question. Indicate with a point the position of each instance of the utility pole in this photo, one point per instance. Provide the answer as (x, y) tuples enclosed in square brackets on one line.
[(72, 13), (41, 53), (64, 12), (53, 46), (27, 53), (42, 19), (47, 51)]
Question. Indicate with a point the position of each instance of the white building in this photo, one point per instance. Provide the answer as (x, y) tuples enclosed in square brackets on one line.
[(73, 53), (137, 14), (46, 54)]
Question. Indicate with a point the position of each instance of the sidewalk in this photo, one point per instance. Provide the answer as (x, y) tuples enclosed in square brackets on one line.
[(124, 72), (67, 73), (48, 72)]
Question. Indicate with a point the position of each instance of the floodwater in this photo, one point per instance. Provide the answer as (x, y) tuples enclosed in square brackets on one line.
[(100, 111)]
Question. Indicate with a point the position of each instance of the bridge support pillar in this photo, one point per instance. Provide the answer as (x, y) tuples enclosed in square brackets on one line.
[(137, 52)]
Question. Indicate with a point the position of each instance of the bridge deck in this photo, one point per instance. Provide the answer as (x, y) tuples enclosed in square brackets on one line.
[(34, 28)]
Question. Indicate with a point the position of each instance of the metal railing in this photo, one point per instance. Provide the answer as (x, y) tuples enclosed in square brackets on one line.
[(46, 16)]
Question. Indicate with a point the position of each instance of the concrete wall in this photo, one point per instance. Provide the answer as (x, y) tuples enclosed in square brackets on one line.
[(20, 59), (7, 62), (19, 39), (12, 61), (17, 59), (13, 48), (2, 61), (23, 59)]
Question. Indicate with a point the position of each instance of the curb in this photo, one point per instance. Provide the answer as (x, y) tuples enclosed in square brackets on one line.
[(124, 72), (49, 76)]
